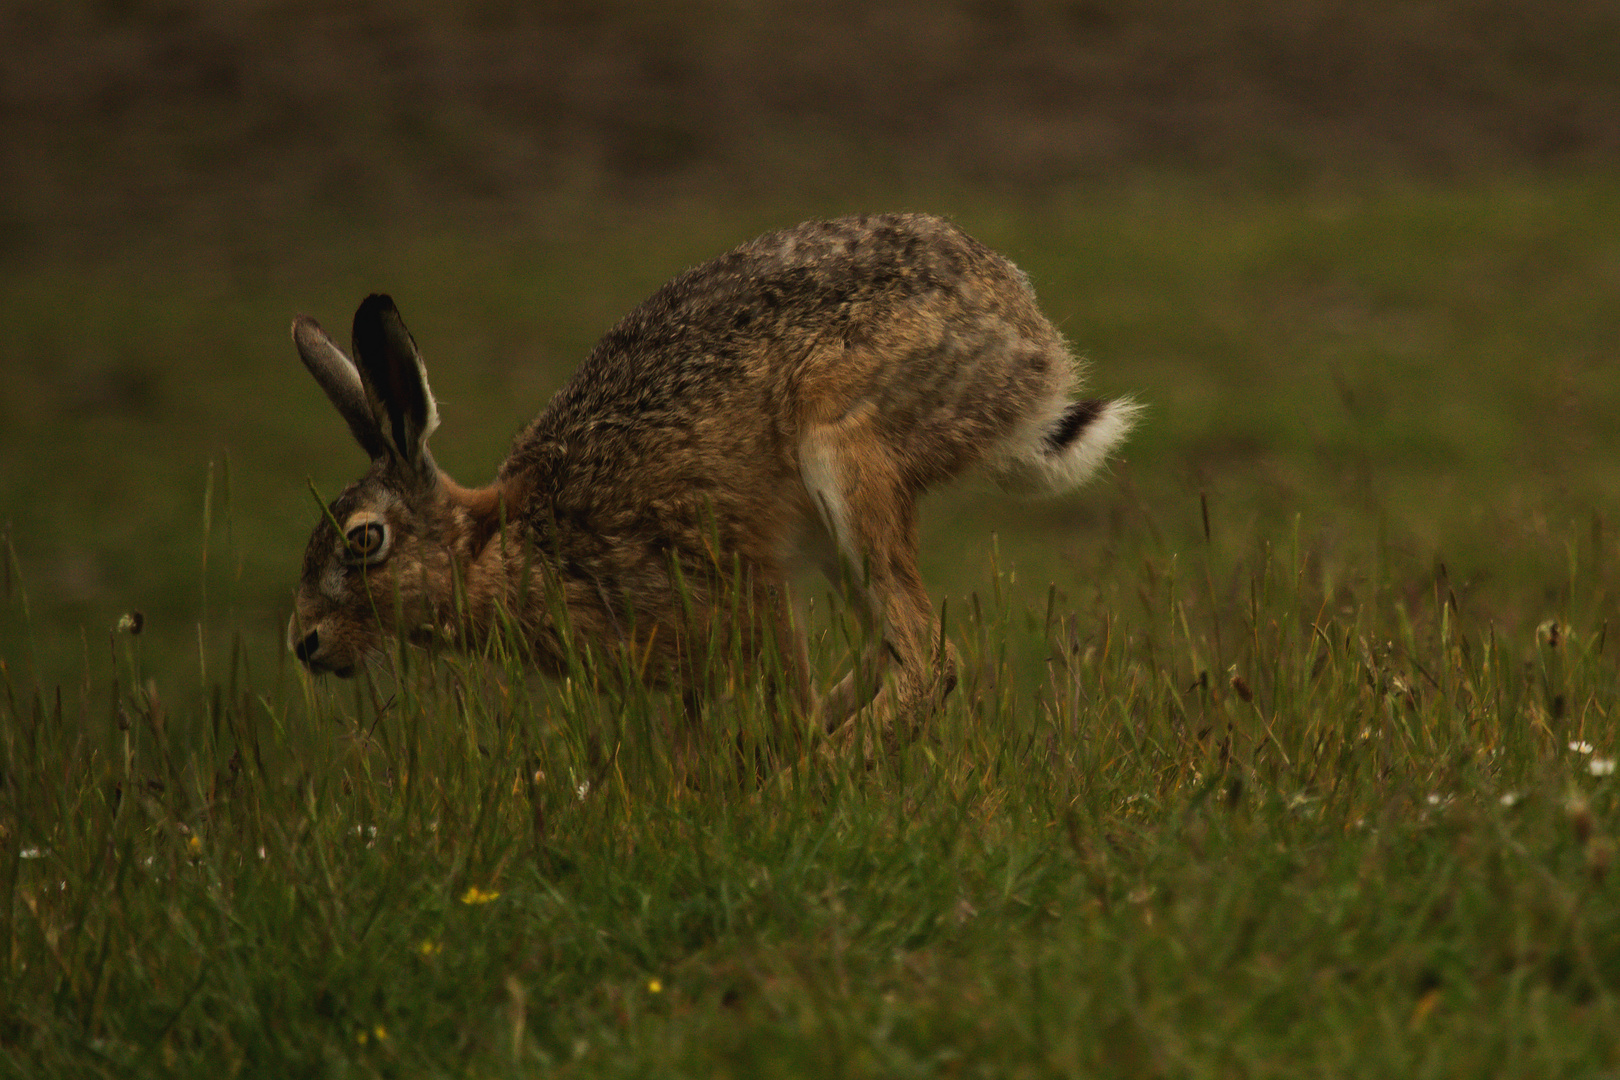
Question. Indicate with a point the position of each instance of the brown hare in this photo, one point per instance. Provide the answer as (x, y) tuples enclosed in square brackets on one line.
[(787, 401)]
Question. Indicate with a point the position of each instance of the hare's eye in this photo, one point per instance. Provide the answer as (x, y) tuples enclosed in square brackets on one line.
[(368, 542)]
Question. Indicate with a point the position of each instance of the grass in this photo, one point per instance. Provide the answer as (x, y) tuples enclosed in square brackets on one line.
[(1261, 763), (1279, 836)]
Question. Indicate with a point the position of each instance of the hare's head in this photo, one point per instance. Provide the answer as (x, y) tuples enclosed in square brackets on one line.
[(382, 554)]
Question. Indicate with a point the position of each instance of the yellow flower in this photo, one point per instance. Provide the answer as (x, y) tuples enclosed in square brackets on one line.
[(654, 986), (430, 948), (194, 842), (475, 895)]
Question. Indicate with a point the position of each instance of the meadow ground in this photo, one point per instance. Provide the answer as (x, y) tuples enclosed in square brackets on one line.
[(1284, 750)]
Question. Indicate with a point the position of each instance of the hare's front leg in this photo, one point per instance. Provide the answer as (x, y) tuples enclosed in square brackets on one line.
[(871, 514)]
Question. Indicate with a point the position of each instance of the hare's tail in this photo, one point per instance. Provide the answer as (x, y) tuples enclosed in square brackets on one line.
[(1061, 450)]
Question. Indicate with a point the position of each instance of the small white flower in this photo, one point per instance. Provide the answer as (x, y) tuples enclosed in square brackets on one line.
[(30, 853), (1433, 800), (1601, 766), (1581, 747), (582, 790), (1510, 798)]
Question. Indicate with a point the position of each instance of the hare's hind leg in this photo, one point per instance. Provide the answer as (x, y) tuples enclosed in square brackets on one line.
[(870, 512)]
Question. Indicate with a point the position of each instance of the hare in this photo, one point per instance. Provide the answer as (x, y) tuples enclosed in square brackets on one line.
[(787, 401)]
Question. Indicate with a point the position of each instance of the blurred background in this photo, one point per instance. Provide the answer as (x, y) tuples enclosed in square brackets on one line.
[(1360, 259)]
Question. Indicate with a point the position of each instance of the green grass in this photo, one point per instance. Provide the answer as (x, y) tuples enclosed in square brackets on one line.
[(1260, 764), (1284, 834)]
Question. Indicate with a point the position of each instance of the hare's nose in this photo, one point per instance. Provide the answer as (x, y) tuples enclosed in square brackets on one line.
[(307, 648)]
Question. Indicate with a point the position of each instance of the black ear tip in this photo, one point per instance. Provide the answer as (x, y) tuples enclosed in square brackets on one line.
[(375, 322), (375, 306)]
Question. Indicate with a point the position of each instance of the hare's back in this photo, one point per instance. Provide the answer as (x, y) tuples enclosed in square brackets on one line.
[(739, 330), (701, 393)]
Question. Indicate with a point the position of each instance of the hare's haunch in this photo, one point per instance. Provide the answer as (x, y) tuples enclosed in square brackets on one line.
[(787, 401)]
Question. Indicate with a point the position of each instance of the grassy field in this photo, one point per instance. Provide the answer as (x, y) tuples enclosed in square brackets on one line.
[(1283, 751)]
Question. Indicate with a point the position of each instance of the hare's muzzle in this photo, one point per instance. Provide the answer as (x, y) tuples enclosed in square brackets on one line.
[(307, 650), (305, 647)]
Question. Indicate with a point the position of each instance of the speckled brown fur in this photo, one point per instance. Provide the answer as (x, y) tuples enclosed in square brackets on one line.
[(789, 399)]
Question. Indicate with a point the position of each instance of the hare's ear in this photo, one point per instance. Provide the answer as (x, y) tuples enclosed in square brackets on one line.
[(339, 378), (395, 381)]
